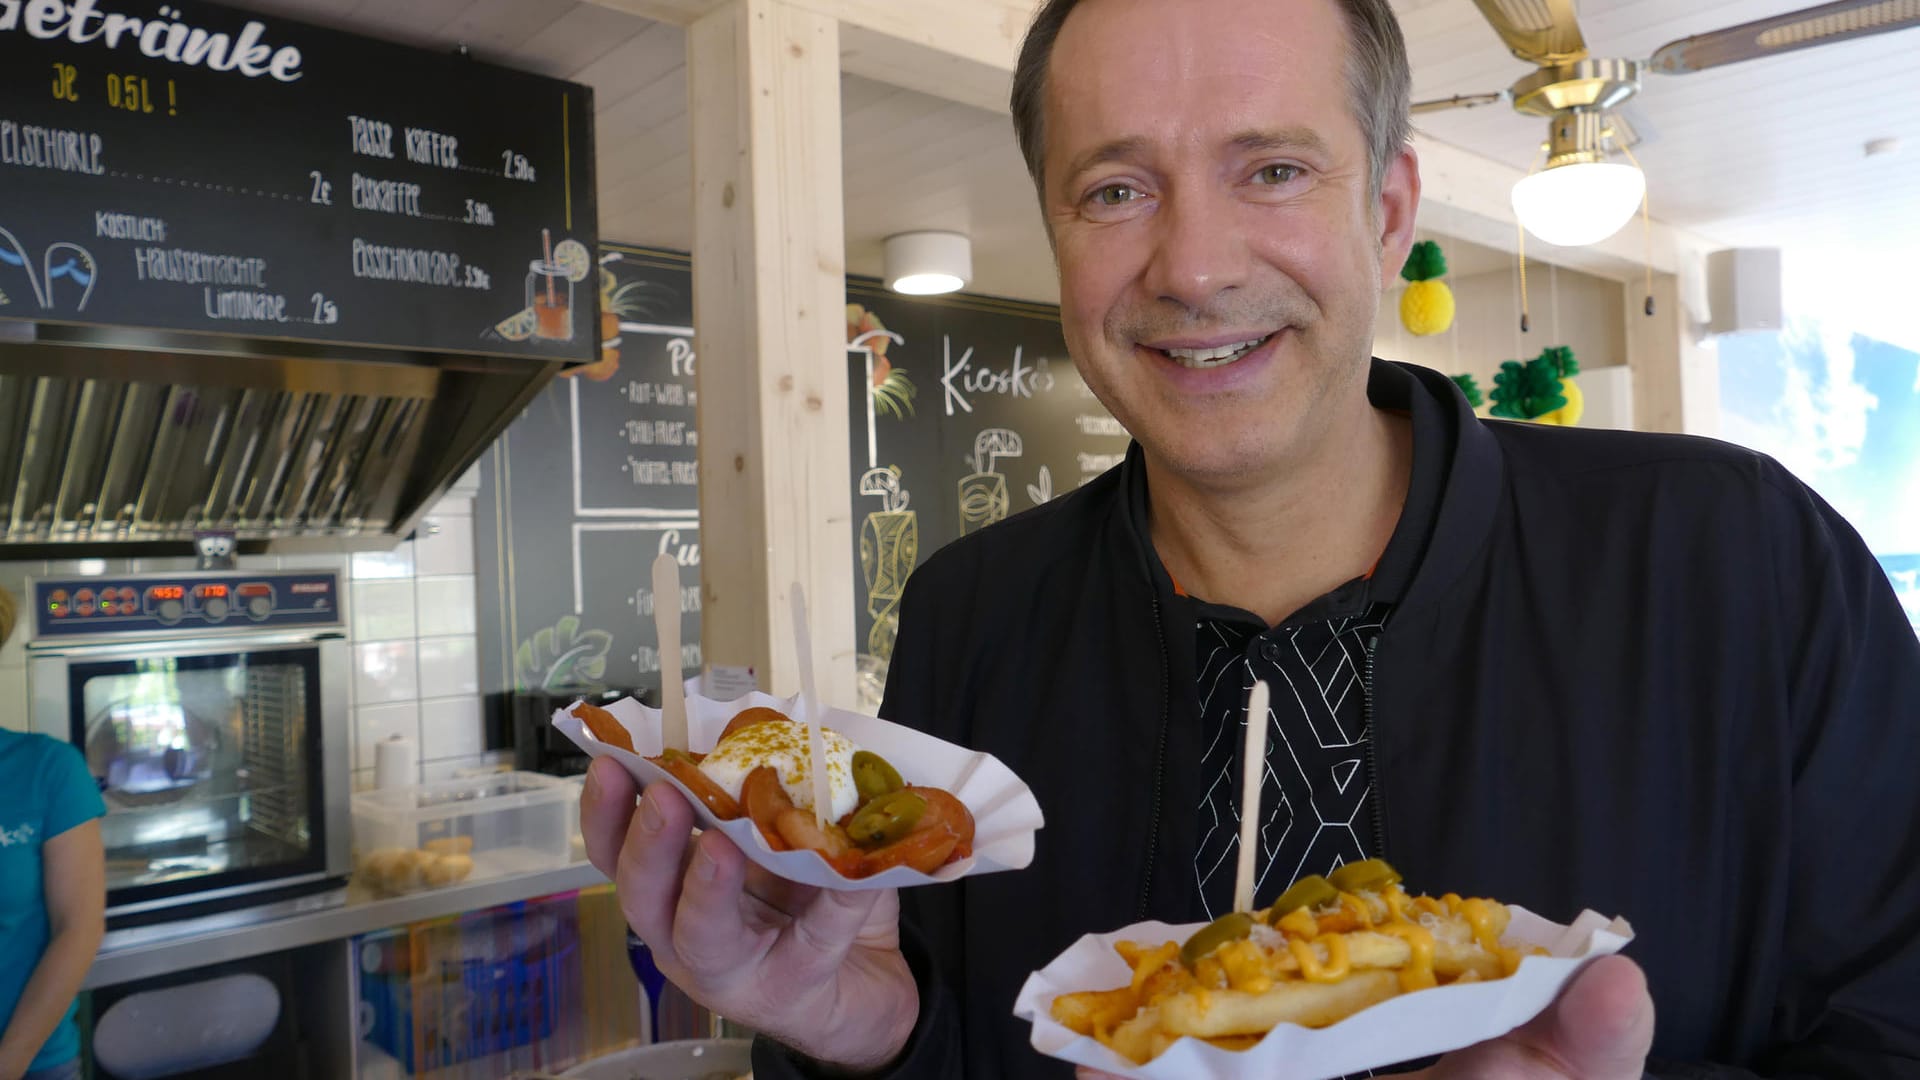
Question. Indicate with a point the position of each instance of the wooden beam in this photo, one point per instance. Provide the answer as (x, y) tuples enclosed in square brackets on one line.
[(983, 32), (959, 50), (769, 295), (1676, 378), (929, 69), (676, 12)]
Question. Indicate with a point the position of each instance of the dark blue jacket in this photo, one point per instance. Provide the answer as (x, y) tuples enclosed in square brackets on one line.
[(1651, 675)]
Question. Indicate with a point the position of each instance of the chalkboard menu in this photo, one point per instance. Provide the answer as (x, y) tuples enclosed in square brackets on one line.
[(592, 482), (965, 411), (187, 166)]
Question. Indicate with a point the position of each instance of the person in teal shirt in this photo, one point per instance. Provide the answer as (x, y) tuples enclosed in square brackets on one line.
[(53, 898)]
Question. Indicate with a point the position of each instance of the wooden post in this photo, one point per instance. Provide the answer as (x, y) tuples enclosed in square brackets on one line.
[(1676, 379), (769, 296)]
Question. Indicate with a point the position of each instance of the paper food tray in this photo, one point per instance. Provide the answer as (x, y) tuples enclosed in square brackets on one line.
[(1400, 1029), (1005, 813)]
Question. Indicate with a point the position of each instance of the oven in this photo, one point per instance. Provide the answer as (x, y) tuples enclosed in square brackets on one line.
[(211, 709)]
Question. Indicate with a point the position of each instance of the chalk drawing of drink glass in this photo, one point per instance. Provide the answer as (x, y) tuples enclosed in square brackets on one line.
[(550, 283), (74, 263), (983, 494), (889, 550)]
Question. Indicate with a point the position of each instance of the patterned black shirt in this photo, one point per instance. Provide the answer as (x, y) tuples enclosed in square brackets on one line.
[(1316, 800)]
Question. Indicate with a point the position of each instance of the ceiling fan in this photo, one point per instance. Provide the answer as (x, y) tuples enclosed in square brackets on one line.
[(1579, 197)]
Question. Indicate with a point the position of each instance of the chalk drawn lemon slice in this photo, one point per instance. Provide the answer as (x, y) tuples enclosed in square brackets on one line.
[(518, 327), (573, 257)]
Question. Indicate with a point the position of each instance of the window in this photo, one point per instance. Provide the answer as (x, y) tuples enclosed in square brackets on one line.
[(1842, 411)]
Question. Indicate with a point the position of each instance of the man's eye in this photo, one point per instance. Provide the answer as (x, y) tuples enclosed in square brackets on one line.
[(1278, 174), (1115, 195)]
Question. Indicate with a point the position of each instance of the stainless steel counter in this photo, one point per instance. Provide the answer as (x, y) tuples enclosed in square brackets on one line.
[(146, 951)]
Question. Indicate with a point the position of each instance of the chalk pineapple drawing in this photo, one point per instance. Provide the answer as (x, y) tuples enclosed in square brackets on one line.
[(983, 493), (77, 265), (889, 550), (889, 389), (1042, 491)]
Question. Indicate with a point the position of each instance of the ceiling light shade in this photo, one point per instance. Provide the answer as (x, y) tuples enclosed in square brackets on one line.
[(925, 263), (1580, 203)]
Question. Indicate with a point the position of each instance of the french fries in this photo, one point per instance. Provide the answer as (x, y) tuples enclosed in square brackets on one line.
[(1318, 956)]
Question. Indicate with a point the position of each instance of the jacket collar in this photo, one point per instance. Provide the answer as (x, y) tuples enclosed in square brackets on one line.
[(1462, 515)]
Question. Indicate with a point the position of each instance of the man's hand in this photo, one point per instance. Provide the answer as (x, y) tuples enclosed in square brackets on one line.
[(819, 970), (1600, 1029)]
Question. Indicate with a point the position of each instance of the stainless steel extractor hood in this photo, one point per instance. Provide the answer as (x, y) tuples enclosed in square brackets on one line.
[(130, 442)]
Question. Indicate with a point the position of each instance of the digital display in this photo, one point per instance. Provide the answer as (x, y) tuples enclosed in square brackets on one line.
[(167, 592), (213, 590)]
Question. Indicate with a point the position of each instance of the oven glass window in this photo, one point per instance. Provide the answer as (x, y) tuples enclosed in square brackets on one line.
[(206, 763)]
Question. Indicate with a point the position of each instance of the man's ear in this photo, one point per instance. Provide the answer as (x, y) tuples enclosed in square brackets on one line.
[(1398, 208)]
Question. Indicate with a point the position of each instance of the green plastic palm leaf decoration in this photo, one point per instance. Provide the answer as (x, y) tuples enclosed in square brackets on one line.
[(1560, 359), (1471, 389), (1424, 262), (1524, 391), (562, 657)]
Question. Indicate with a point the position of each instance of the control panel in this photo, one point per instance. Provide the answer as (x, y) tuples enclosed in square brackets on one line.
[(226, 601)]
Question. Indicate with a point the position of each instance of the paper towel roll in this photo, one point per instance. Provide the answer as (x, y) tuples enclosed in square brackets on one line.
[(396, 763)]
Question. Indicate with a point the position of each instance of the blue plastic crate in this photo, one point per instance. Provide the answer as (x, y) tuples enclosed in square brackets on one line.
[(489, 983)]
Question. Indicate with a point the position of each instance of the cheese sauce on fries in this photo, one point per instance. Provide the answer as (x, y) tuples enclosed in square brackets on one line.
[(1319, 955)]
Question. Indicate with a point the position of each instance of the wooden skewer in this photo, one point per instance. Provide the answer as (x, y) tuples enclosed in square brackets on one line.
[(810, 704), (1252, 776), (666, 625)]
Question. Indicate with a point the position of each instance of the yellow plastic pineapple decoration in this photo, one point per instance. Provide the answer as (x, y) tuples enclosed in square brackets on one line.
[(1426, 307)]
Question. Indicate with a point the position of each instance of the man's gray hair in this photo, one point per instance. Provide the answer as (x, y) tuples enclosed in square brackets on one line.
[(1379, 85)]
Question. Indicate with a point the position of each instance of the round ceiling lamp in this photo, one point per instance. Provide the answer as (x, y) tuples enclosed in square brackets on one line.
[(1580, 203), (1580, 197), (928, 263)]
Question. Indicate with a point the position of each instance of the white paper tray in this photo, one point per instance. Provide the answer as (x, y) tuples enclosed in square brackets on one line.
[(1399, 1029), (1005, 813)]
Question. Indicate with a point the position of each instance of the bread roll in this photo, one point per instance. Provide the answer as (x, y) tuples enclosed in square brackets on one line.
[(447, 869)]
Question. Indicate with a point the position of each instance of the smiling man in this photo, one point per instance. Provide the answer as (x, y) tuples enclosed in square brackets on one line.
[(1650, 675)]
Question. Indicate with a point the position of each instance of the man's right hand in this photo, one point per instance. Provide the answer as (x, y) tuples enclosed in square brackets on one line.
[(816, 969)]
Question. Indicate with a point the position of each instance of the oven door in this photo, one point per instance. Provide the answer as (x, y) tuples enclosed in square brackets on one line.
[(222, 771)]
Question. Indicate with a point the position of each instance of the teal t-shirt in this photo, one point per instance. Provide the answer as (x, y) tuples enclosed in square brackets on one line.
[(45, 790)]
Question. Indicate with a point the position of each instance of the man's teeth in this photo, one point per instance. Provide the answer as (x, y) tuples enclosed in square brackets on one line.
[(1207, 358)]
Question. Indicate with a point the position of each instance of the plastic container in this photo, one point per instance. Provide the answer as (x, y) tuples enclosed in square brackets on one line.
[(520, 990), (455, 831)]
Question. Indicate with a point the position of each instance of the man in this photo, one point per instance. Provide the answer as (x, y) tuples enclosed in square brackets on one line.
[(1649, 675)]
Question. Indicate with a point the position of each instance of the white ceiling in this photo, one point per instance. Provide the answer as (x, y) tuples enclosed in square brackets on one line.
[(1768, 153)]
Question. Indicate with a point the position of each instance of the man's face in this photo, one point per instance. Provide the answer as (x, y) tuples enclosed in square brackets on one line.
[(1221, 260)]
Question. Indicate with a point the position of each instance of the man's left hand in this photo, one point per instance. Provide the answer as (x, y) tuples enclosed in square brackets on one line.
[(1600, 1028)]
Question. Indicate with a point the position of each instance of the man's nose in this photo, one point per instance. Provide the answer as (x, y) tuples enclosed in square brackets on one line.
[(1200, 249)]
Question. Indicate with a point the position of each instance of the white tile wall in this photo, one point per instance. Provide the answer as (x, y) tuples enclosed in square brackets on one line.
[(385, 672), (449, 667), (450, 728), (446, 605), (397, 563), (444, 545), (382, 610)]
